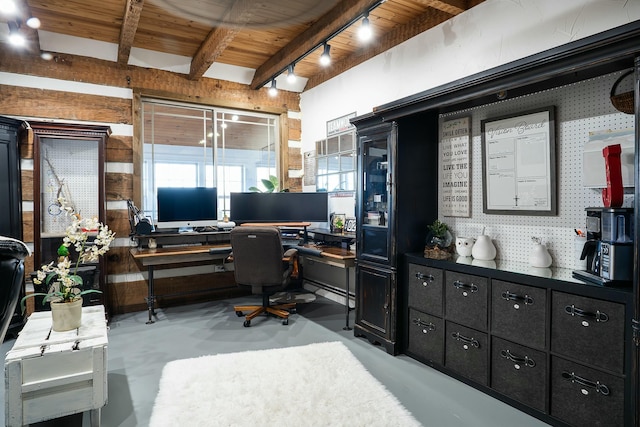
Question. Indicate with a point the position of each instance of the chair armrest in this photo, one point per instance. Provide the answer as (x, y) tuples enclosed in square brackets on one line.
[(290, 253)]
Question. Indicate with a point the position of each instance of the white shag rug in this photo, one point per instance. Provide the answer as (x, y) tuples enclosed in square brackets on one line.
[(319, 384)]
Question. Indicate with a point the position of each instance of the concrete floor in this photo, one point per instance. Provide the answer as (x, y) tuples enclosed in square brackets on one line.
[(137, 353)]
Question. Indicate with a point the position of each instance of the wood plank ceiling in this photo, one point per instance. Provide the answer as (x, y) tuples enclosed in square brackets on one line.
[(266, 36)]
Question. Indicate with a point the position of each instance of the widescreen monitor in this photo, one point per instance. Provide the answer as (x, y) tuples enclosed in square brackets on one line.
[(187, 207), (279, 207)]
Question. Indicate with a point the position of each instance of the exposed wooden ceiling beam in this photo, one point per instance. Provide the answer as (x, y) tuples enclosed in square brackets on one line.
[(422, 23), (332, 21), (219, 38), (132, 11), (453, 7)]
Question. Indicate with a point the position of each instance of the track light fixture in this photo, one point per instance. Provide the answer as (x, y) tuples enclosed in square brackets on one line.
[(15, 36), (325, 58), (365, 33), (273, 90), (291, 77)]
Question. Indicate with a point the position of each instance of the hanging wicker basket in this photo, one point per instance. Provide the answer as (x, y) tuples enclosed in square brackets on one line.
[(624, 102)]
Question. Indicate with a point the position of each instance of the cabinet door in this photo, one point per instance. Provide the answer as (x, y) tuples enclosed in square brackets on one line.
[(425, 289), (375, 204), (375, 293), (466, 299), (68, 162), (10, 189)]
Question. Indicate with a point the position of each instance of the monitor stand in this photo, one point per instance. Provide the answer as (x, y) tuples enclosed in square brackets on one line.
[(185, 230)]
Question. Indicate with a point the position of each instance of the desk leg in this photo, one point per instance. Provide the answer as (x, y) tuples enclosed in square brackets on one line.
[(150, 297), (346, 327)]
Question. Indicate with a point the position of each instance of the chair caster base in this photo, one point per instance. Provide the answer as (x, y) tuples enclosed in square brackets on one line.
[(247, 323), (239, 313), (285, 322)]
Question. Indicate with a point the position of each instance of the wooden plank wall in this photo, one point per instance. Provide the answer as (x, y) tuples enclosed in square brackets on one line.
[(25, 100)]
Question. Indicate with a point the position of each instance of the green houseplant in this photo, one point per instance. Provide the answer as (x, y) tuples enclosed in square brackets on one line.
[(439, 242), (270, 185), (61, 276)]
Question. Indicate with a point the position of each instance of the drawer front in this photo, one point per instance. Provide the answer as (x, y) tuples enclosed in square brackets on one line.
[(466, 299), (426, 336), (582, 396), (425, 289), (467, 352), (588, 330), (519, 372), (519, 313)]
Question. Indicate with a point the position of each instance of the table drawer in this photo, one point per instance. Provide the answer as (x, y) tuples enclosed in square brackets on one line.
[(466, 299), (426, 336), (467, 352), (519, 372), (425, 289), (582, 396), (519, 313), (588, 330)]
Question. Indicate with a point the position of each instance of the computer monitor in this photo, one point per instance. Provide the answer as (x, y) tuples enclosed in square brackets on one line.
[(187, 207), (279, 207)]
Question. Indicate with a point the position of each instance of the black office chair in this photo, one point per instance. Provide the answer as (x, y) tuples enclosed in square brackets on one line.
[(12, 254), (260, 262)]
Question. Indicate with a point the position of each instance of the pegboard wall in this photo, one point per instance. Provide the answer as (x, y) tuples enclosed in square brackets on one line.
[(581, 108), (69, 169)]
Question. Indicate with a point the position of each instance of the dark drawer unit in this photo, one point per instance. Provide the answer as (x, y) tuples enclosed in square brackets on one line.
[(467, 352), (466, 299), (425, 289), (581, 396), (519, 313), (588, 330), (519, 372), (426, 337)]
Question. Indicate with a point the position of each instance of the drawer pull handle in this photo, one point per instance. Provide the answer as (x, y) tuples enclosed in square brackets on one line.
[(598, 316), (509, 296), (426, 327), (458, 336), (426, 278), (461, 285), (526, 360), (597, 385)]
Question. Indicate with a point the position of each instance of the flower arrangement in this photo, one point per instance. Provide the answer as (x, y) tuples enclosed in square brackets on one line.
[(64, 272)]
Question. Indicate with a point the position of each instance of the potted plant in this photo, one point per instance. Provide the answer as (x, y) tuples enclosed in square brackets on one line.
[(270, 185), (439, 242), (61, 276)]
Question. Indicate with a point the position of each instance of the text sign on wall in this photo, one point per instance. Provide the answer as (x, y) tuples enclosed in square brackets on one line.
[(340, 125), (455, 173)]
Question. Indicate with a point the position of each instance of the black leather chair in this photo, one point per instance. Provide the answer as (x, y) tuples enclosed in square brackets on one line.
[(261, 263), (12, 254)]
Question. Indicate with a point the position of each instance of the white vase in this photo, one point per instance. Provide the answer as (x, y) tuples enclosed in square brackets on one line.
[(66, 315), (540, 256), (483, 249)]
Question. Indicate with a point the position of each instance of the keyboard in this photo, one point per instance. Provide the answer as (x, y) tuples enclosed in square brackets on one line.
[(290, 242)]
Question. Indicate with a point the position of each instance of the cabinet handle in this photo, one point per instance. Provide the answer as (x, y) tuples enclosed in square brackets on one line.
[(459, 337), (426, 327), (526, 360), (426, 278), (597, 385), (527, 300), (599, 316), (461, 285)]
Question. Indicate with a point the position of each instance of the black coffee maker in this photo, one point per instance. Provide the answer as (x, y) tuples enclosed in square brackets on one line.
[(609, 246)]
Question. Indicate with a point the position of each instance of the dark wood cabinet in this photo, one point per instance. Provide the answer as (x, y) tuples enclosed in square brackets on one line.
[(390, 222), (69, 161), (10, 189)]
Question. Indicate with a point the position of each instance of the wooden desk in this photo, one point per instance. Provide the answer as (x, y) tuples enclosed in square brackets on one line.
[(337, 257), (174, 255)]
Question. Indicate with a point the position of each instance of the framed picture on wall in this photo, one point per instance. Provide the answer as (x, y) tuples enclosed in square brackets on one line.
[(519, 164)]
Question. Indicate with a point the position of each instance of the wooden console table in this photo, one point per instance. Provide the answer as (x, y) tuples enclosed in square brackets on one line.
[(52, 374), (149, 258)]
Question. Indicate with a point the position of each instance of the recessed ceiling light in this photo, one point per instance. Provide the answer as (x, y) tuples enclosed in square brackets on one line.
[(8, 7), (33, 22), (47, 56)]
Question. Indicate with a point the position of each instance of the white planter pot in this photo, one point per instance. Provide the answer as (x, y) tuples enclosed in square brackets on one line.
[(66, 315)]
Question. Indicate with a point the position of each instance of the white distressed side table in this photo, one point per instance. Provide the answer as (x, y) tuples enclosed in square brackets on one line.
[(53, 374)]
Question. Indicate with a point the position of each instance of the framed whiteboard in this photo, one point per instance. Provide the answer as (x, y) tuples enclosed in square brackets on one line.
[(519, 164)]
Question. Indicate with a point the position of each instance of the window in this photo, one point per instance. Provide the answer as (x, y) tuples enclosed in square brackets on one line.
[(191, 146), (336, 163)]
